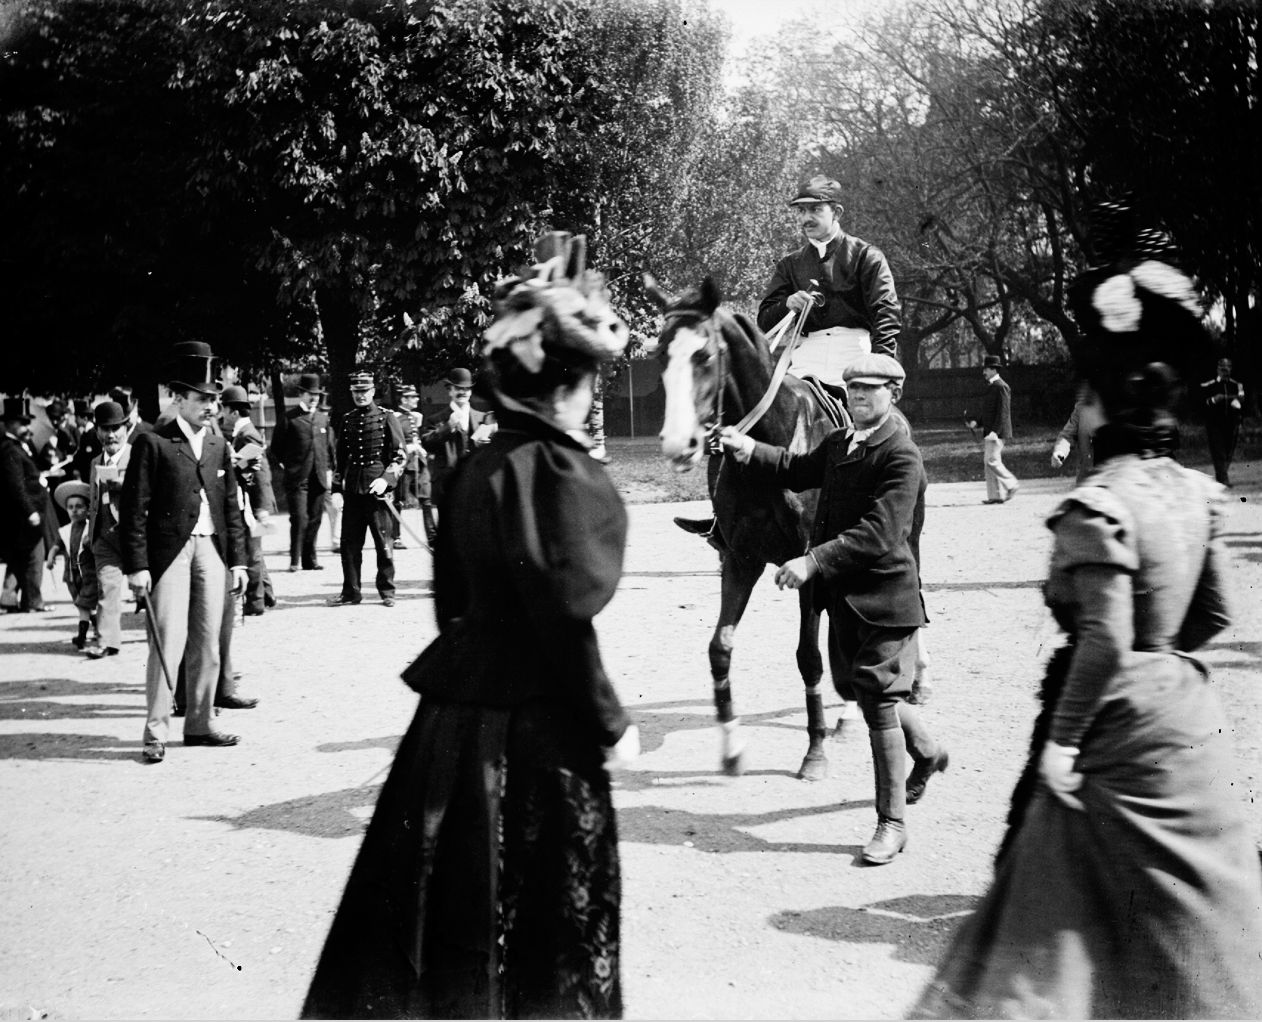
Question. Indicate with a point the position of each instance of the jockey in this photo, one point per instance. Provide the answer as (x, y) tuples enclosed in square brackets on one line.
[(850, 284), (847, 280)]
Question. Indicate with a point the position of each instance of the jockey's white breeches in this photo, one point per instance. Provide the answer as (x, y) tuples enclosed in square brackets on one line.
[(826, 353)]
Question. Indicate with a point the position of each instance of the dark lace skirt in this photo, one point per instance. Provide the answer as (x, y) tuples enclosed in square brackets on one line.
[(488, 883)]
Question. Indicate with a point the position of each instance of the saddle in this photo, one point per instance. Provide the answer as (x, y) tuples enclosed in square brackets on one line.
[(831, 398)]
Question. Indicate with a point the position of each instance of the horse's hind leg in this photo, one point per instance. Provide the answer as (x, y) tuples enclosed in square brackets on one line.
[(815, 765), (739, 576)]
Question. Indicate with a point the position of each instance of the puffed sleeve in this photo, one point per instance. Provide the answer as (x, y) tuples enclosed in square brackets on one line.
[(1094, 553), (565, 533)]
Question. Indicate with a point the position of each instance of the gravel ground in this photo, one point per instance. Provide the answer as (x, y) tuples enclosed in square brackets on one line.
[(203, 888)]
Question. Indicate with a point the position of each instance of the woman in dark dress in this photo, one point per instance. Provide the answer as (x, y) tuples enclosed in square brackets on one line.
[(488, 882), (1127, 886)]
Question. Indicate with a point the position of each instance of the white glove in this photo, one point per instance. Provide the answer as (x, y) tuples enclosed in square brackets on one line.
[(378, 486), (626, 752), (239, 580)]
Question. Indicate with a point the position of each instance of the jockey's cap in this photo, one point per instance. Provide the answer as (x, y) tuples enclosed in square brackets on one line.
[(818, 189)]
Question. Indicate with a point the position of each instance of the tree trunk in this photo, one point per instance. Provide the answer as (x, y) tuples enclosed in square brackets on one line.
[(339, 319)]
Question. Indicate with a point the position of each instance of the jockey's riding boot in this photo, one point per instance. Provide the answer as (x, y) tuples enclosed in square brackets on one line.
[(889, 759), (697, 526), (431, 530), (928, 756)]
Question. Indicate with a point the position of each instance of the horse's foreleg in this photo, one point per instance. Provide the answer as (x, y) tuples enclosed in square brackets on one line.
[(739, 576), (810, 664)]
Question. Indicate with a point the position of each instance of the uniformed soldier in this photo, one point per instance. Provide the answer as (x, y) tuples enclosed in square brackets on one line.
[(414, 483), (371, 456), (1224, 408)]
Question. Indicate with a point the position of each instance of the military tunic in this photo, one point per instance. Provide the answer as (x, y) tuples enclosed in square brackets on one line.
[(369, 446)]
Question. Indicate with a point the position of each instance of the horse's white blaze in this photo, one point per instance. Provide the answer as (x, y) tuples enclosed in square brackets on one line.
[(681, 429)]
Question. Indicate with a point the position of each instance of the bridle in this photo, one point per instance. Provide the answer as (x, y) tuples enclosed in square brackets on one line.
[(714, 339)]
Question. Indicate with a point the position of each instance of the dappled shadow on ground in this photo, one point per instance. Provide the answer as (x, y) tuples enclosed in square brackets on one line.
[(1246, 655), (724, 832), (333, 814), (48, 745), (918, 925), (1245, 546)]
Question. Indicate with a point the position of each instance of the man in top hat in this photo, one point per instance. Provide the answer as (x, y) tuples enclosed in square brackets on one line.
[(305, 447), (254, 487), (414, 486), (105, 476), (995, 421), (450, 435), (1223, 398), (183, 542), (24, 506), (370, 460), (847, 284), (862, 564)]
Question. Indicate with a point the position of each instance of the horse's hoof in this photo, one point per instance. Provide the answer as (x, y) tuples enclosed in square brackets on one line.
[(814, 768), (734, 766), (839, 732)]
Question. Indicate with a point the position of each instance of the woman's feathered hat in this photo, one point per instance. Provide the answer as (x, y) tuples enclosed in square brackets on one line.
[(1138, 308), (557, 306)]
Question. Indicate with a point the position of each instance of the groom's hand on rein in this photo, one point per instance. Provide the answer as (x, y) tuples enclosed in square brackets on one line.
[(738, 445)]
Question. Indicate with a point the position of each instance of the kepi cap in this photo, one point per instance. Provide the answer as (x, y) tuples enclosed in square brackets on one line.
[(407, 390), (818, 189), (361, 381), (875, 369)]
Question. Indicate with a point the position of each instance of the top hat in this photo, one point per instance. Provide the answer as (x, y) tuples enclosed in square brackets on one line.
[(234, 395), (109, 415), (82, 407), (361, 381), (874, 368), (17, 408), (71, 488), (818, 189), (992, 362), (459, 377), (190, 368), (309, 383)]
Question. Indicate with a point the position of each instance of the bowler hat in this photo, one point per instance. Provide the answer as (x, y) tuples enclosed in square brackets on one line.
[(190, 368), (459, 377), (56, 409), (234, 395), (71, 488), (17, 408), (310, 383), (874, 368), (818, 189), (82, 407), (992, 362), (109, 415), (361, 381)]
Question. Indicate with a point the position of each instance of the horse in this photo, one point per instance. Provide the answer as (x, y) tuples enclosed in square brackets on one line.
[(717, 365)]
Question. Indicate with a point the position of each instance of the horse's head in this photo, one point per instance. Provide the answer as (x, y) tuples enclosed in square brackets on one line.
[(690, 348)]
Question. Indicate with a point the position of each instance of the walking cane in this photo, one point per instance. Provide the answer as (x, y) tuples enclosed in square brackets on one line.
[(152, 628), (404, 525)]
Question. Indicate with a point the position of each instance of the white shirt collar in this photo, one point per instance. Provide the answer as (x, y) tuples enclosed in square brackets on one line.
[(821, 246), (194, 437), (239, 425), (860, 435)]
